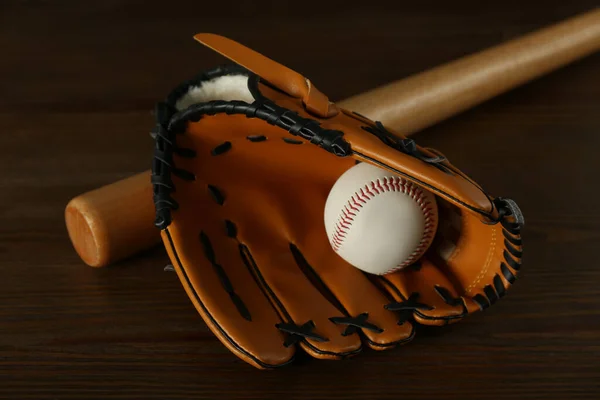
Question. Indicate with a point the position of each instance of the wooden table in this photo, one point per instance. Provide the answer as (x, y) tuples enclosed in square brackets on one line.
[(79, 82)]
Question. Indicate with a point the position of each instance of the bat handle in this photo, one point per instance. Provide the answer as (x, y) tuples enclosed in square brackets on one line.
[(113, 222)]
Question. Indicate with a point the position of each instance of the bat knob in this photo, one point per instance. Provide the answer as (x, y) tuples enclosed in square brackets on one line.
[(113, 222)]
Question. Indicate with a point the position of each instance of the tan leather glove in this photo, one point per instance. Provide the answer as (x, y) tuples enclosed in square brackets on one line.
[(244, 161)]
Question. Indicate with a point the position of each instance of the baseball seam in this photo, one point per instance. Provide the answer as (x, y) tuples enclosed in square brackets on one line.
[(374, 188)]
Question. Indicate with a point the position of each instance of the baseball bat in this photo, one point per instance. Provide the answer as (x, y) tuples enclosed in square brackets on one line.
[(116, 221)]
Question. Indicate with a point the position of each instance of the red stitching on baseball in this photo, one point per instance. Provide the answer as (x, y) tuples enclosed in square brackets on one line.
[(362, 195), (356, 203), (348, 212), (390, 184), (385, 184), (375, 188)]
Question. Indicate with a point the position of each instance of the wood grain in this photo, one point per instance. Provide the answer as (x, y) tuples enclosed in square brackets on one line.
[(79, 82)]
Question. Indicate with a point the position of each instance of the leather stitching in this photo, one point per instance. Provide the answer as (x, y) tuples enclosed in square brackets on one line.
[(488, 261)]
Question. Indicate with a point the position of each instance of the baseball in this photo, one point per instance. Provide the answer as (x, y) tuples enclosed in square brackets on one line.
[(378, 221)]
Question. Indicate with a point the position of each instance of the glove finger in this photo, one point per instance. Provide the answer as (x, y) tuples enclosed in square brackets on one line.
[(423, 291), (306, 312), (224, 293), (363, 302)]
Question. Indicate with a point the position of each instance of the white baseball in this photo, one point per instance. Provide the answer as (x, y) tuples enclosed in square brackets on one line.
[(378, 221)]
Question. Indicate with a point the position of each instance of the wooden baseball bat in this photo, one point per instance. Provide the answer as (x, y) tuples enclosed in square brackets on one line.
[(116, 221)]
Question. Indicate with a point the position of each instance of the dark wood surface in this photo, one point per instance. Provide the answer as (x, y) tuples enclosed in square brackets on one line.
[(79, 81)]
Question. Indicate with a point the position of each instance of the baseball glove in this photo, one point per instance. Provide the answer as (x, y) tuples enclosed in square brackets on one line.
[(245, 156)]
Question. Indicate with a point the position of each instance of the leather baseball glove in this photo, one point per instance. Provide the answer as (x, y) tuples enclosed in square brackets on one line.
[(245, 157)]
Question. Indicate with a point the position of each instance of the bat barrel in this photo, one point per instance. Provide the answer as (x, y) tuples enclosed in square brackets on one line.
[(412, 104)]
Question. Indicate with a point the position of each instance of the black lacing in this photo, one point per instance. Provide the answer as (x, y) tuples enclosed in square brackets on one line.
[(299, 332), (407, 146), (508, 208), (445, 294), (353, 323), (226, 284), (407, 307), (163, 166), (311, 130)]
